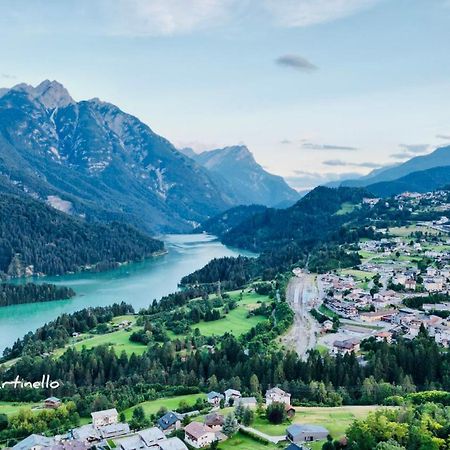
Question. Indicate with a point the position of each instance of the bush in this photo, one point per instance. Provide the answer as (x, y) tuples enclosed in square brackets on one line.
[(276, 413)]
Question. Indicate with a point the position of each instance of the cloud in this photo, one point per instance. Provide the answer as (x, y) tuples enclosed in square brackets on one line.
[(340, 163), (7, 76), (410, 150), (166, 17), (303, 180), (296, 62), (414, 148), (303, 13), (443, 136), (285, 142), (313, 146)]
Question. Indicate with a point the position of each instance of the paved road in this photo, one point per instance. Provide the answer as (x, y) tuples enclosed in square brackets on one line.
[(273, 439), (303, 295)]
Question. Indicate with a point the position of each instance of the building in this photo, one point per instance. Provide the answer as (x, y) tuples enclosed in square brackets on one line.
[(106, 417), (348, 346), (277, 395), (86, 433), (114, 430), (71, 445), (306, 433), (293, 446), (214, 398), (52, 403), (170, 421), (199, 435), (233, 395), (248, 402), (149, 439), (172, 444), (290, 411), (215, 421), (376, 316), (35, 442), (152, 436)]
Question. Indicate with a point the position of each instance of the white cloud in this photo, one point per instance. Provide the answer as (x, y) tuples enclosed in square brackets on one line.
[(302, 13), (166, 17)]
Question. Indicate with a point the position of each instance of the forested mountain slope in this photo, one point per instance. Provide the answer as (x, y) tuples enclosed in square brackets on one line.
[(35, 238)]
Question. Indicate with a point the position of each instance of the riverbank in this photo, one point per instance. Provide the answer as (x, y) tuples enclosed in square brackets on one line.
[(137, 284)]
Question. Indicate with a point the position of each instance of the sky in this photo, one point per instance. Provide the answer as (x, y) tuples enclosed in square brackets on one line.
[(318, 90)]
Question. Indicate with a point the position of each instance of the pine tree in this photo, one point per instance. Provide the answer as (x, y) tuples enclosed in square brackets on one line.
[(230, 425)]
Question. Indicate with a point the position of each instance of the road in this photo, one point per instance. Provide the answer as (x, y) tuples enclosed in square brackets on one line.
[(273, 439), (303, 294)]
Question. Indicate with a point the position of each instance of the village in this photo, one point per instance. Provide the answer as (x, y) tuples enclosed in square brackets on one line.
[(175, 431), (401, 285)]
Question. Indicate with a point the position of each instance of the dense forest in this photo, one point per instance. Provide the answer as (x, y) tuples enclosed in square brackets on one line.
[(423, 427), (33, 235), (15, 294)]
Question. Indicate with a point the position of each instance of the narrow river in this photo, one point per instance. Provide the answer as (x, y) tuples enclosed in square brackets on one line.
[(137, 284)]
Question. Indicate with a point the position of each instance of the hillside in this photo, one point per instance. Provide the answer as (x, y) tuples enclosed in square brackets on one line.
[(422, 181), (229, 219), (35, 238), (308, 221), (92, 159), (438, 158), (242, 177)]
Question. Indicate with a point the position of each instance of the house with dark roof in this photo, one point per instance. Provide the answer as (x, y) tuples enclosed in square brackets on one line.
[(52, 403), (215, 421), (170, 421), (293, 446), (214, 398)]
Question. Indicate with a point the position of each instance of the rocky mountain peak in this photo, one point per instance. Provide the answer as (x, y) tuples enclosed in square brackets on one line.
[(51, 94)]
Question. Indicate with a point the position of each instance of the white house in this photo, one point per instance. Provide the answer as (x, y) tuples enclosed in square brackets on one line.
[(232, 394), (277, 395), (199, 435), (105, 417)]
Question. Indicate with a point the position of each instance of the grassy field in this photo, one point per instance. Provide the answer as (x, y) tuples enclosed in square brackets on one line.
[(346, 208), (120, 340), (407, 230), (327, 312), (171, 403), (10, 408), (336, 419), (236, 321), (241, 442)]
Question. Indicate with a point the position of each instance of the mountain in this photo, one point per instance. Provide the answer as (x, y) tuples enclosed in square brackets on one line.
[(439, 158), (94, 160), (319, 213), (422, 181), (35, 238), (229, 219), (242, 177)]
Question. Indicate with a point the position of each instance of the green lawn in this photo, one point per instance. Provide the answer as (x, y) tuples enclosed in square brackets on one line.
[(171, 403), (346, 208), (10, 408), (120, 340), (242, 442), (236, 321), (407, 230), (335, 419), (327, 312)]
